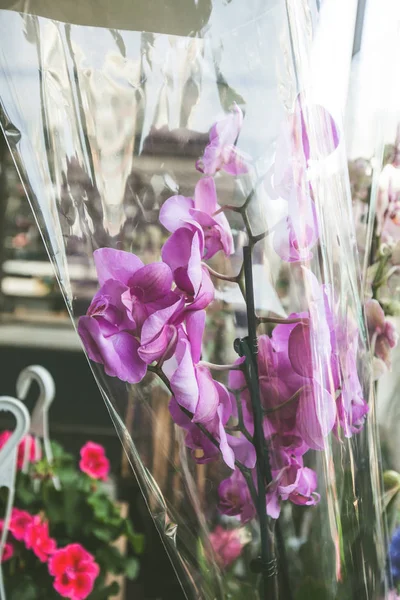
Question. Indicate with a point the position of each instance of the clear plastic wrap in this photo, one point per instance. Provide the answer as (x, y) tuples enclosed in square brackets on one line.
[(204, 140)]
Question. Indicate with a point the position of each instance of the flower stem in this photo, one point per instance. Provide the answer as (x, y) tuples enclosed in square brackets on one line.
[(232, 278), (242, 468), (214, 367), (278, 321), (291, 399), (248, 347)]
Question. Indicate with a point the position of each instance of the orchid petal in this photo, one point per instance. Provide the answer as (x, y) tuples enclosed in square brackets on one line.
[(208, 396), (151, 282), (316, 414), (175, 212), (205, 196), (183, 381), (115, 264), (195, 323)]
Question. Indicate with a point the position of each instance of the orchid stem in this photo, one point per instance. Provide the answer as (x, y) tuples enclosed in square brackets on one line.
[(242, 468), (278, 321), (214, 367), (248, 347), (241, 426), (225, 208), (289, 401), (232, 278)]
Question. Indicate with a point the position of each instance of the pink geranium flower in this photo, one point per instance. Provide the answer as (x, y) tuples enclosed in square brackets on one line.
[(8, 552), (226, 544), (8, 549), (75, 572), (38, 540), (94, 461), (28, 449), (20, 519)]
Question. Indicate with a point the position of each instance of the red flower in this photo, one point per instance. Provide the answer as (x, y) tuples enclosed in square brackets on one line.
[(29, 445), (94, 461), (37, 538), (8, 552), (75, 572), (19, 523), (8, 549)]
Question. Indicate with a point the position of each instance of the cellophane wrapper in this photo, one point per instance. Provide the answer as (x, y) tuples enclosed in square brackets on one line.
[(374, 165), (205, 139)]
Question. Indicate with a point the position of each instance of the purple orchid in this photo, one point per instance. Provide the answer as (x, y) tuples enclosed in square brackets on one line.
[(235, 499), (324, 352), (191, 382), (221, 152), (382, 332), (292, 482), (309, 134), (146, 285), (207, 400), (108, 334), (183, 253), (297, 234), (180, 211), (159, 335)]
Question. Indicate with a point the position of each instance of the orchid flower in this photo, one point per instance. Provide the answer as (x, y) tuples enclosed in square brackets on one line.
[(308, 134), (180, 211), (382, 332), (235, 499), (293, 482), (221, 152), (108, 333)]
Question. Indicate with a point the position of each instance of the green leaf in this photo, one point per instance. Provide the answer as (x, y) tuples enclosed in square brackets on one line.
[(132, 568), (112, 558), (105, 593), (103, 533), (135, 539), (137, 542)]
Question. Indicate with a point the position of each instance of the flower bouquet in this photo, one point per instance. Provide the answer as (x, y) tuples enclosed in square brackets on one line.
[(61, 541), (200, 183)]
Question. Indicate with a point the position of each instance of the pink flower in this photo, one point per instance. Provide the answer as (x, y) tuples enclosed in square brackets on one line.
[(308, 134), (38, 540), (297, 234), (183, 253), (292, 482), (129, 293), (382, 333), (221, 152), (74, 570), (226, 545), (235, 499), (29, 448), (8, 549), (179, 211), (8, 552), (20, 519), (94, 461)]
